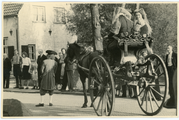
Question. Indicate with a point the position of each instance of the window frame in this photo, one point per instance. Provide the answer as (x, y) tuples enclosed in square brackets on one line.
[(37, 7), (30, 53), (55, 15), (5, 46)]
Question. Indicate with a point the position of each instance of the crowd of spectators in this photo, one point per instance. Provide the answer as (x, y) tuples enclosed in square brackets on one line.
[(25, 71)]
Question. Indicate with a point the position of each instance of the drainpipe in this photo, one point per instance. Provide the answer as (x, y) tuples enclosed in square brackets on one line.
[(17, 33), (17, 41)]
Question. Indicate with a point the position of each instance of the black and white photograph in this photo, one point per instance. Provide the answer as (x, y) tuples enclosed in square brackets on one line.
[(89, 59)]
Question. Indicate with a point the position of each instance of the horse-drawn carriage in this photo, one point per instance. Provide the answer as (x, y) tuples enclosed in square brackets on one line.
[(147, 75), (149, 78)]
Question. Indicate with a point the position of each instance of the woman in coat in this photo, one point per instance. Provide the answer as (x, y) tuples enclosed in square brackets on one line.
[(49, 68)]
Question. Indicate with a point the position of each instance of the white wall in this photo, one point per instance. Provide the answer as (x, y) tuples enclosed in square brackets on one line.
[(38, 33), (10, 23)]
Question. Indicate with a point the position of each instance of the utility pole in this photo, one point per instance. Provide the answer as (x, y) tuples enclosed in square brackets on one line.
[(96, 28)]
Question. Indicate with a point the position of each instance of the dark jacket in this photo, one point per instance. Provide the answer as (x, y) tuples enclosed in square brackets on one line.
[(7, 65), (68, 64), (121, 26), (174, 60), (40, 61)]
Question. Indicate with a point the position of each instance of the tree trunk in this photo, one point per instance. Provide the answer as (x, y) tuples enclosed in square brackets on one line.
[(96, 28)]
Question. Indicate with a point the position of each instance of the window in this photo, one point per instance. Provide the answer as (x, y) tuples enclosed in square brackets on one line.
[(5, 41), (38, 14), (5, 44), (59, 15), (30, 50)]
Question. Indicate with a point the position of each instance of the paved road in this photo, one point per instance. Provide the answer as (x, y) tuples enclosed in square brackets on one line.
[(70, 105)]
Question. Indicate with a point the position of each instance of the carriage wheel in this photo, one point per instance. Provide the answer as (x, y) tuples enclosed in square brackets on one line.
[(151, 95), (101, 86)]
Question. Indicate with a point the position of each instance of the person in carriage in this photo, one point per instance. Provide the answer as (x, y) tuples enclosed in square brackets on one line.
[(123, 27)]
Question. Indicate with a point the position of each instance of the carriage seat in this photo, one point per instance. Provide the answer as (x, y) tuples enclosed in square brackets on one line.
[(133, 43)]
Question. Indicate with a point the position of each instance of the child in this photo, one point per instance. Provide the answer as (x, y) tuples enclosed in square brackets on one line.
[(34, 75)]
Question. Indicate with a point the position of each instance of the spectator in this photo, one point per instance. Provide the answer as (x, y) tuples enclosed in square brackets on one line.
[(34, 75), (57, 74), (69, 69), (26, 66), (75, 74), (40, 60), (63, 75), (7, 68), (175, 87), (49, 68), (17, 61), (171, 63), (62, 58)]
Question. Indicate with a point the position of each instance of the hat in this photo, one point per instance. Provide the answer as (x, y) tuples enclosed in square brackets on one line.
[(141, 11), (121, 11), (51, 52)]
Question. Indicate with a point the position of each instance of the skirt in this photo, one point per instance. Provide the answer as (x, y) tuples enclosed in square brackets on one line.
[(25, 74)]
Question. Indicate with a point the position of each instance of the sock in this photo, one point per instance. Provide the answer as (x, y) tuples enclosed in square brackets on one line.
[(42, 99), (50, 98)]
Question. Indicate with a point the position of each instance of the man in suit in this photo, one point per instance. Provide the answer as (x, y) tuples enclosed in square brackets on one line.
[(17, 61), (171, 64), (7, 68), (40, 60)]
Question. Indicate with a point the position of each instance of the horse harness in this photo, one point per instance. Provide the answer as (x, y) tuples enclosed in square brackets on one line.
[(84, 55)]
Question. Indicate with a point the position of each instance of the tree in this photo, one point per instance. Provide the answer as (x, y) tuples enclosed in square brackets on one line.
[(96, 28), (163, 20)]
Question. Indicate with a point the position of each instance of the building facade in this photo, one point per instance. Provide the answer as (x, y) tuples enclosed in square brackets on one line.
[(32, 26)]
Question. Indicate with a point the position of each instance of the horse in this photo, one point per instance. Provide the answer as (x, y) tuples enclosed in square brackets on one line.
[(84, 58)]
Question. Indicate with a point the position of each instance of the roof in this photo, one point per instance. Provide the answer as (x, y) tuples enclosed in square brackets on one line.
[(12, 8)]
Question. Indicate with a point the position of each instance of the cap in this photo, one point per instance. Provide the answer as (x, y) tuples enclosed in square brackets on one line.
[(51, 52)]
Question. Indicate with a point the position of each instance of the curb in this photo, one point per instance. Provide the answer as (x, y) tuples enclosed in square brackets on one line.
[(37, 91)]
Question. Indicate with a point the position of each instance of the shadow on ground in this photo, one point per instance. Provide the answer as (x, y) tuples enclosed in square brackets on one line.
[(60, 110)]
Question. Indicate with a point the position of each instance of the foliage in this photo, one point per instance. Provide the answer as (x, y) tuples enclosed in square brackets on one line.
[(162, 18)]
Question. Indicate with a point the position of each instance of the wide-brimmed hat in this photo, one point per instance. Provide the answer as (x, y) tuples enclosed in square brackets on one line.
[(50, 52)]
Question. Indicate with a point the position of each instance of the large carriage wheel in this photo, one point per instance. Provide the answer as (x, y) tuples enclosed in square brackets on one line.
[(151, 95), (101, 86)]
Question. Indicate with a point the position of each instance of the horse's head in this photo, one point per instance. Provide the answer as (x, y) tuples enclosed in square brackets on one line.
[(74, 50)]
